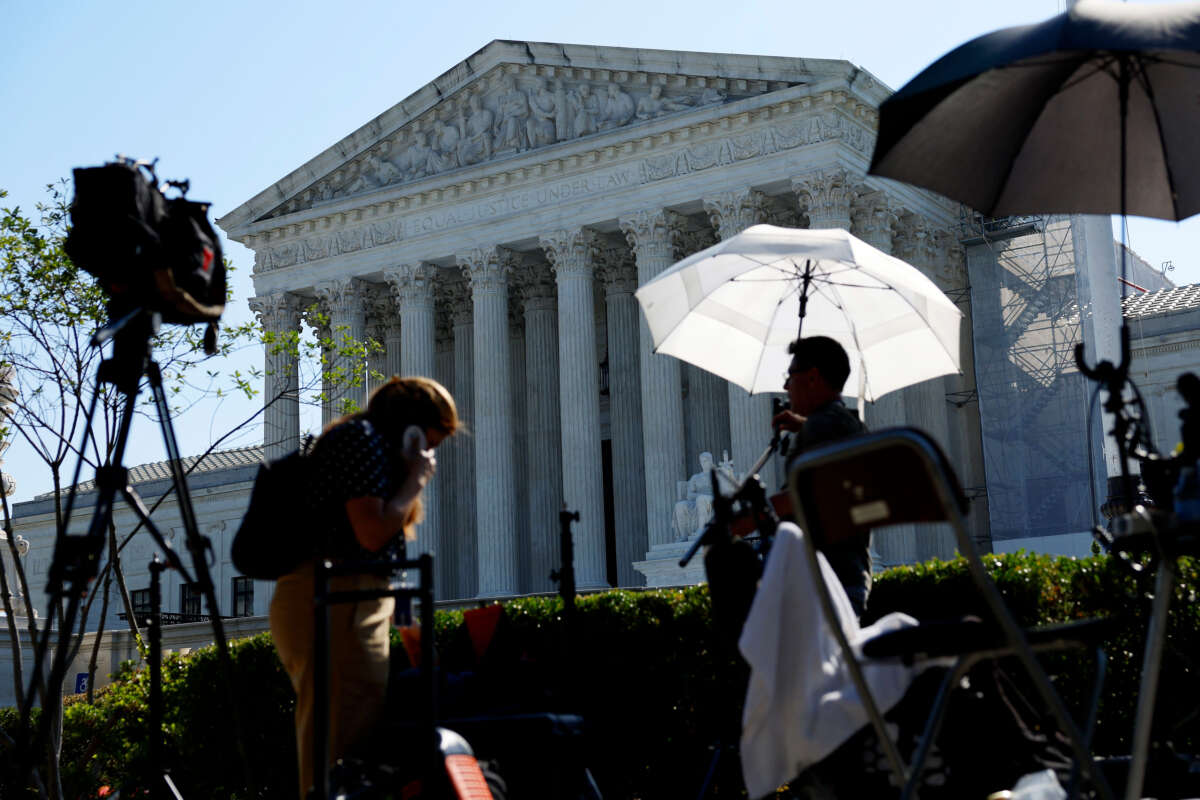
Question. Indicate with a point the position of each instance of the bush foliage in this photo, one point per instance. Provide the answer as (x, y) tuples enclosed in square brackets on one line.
[(642, 667)]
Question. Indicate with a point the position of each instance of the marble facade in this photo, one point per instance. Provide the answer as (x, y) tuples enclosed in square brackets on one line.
[(520, 198)]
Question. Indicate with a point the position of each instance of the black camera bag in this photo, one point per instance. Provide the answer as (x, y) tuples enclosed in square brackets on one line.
[(278, 532), (145, 249), (116, 218), (195, 282)]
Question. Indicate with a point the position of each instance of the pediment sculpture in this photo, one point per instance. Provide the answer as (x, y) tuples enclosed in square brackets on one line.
[(509, 114)]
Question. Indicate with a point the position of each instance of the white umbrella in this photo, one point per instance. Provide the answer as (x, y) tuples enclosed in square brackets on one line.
[(732, 310)]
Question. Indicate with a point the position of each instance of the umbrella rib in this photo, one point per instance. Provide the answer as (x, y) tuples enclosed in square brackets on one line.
[(925, 319), (762, 353), (1096, 68), (1144, 80), (883, 287), (864, 379), (1012, 162), (915, 310)]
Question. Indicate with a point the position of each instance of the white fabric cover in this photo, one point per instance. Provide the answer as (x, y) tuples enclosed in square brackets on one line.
[(801, 703)]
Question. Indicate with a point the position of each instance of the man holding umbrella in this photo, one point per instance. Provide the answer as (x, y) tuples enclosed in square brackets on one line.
[(817, 416)]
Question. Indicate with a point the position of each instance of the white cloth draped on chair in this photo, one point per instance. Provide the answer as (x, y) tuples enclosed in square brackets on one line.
[(801, 703)]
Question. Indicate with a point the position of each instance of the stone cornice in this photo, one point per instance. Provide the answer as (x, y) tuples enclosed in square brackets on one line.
[(1166, 347), (554, 61)]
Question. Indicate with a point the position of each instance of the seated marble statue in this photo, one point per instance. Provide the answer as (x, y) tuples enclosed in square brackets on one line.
[(694, 506)]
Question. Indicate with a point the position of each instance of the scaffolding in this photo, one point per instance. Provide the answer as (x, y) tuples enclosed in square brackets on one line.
[(1027, 317)]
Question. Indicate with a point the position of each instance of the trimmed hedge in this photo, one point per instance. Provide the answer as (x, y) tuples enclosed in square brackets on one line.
[(656, 688)]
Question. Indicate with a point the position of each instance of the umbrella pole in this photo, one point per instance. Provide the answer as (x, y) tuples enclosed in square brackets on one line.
[(807, 281), (1121, 374)]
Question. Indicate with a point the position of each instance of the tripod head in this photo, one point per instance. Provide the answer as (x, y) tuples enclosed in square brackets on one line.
[(131, 332)]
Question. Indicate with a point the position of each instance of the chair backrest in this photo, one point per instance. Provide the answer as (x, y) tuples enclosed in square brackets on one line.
[(889, 477)]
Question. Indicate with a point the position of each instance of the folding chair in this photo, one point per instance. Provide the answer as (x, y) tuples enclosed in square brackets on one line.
[(898, 476)]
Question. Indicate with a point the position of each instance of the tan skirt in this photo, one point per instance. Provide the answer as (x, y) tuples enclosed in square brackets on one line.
[(358, 660)]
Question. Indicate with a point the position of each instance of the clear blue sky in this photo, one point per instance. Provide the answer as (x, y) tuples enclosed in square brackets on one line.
[(234, 95)]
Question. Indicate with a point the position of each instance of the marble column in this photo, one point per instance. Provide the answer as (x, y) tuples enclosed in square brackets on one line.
[(279, 315), (516, 346), (648, 234), (749, 415), (706, 396), (413, 286), (342, 300), (447, 557), (495, 484), (543, 424), (619, 275), (569, 253), (925, 403), (393, 344), (317, 319), (874, 219), (381, 311), (966, 445), (461, 455)]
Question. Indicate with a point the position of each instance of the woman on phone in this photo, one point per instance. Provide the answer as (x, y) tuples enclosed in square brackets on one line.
[(367, 474)]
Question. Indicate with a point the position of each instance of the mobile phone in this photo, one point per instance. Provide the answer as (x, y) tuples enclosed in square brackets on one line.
[(414, 441)]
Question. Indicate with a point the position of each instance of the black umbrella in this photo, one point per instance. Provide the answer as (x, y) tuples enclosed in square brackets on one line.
[(1050, 118), (1095, 111)]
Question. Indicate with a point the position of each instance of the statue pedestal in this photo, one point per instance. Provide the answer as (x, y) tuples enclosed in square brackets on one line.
[(661, 566)]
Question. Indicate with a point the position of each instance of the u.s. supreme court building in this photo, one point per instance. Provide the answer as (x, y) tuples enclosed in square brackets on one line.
[(489, 231)]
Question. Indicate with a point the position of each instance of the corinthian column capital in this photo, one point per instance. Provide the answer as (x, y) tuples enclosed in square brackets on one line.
[(412, 285), (569, 251), (486, 269), (916, 241), (341, 298), (649, 234), (457, 294), (950, 260), (827, 196), (277, 311), (692, 240), (733, 211), (875, 218), (616, 269), (536, 286)]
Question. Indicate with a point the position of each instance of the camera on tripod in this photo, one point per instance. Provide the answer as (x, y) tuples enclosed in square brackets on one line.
[(147, 250)]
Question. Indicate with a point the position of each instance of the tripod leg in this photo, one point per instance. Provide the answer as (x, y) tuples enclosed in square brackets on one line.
[(199, 546), (143, 514), (76, 560), (712, 770)]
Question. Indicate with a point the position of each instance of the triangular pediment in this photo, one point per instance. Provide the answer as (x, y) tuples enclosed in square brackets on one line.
[(514, 97)]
